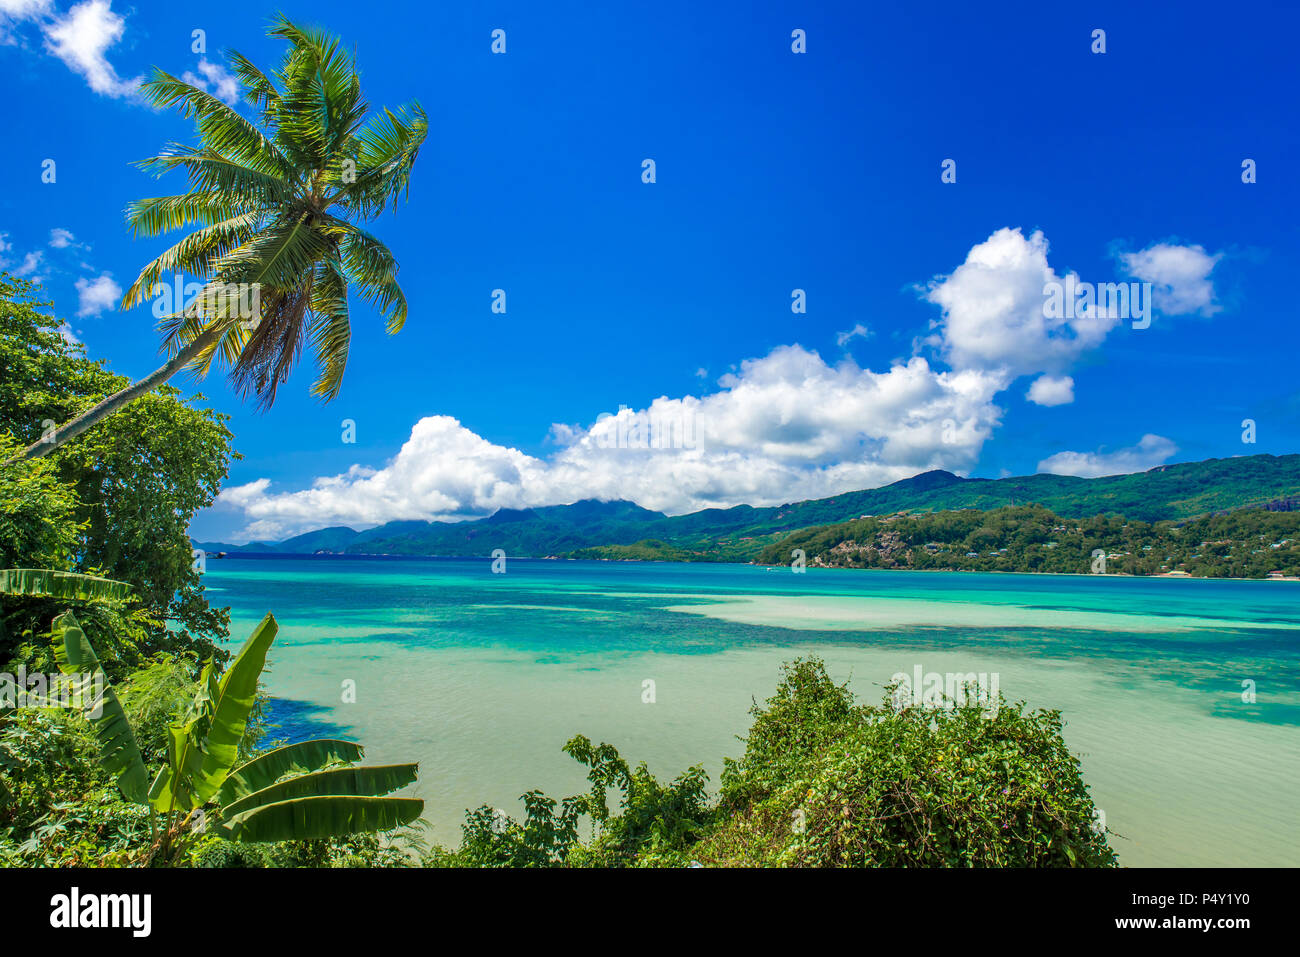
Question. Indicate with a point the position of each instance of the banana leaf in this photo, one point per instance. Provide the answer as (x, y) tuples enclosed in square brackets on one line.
[(54, 584), (236, 693), (173, 789), (354, 782), (118, 751), (301, 758), (325, 816), (185, 748)]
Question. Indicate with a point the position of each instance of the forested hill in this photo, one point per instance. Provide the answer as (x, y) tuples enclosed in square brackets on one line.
[(625, 530), (1244, 543)]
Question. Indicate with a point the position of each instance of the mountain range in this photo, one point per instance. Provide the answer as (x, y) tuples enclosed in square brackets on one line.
[(620, 529)]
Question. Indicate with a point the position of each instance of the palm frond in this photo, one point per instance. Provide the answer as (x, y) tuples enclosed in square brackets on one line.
[(262, 193), (371, 267), (330, 331), (162, 214), (197, 254), (223, 130), (209, 171), (385, 149), (259, 91), (273, 348)]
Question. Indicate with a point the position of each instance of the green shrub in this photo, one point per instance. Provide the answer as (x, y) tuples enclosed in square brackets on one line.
[(653, 818), (61, 809), (824, 782)]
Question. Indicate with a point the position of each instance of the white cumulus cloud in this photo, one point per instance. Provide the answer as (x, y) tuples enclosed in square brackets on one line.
[(23, 9), (1179, 277), (215, 79), (1051, 390), (27, 268), (1151, 450), (994, 315), (97, 295), (82, 38), (859, 331), (786, 426)]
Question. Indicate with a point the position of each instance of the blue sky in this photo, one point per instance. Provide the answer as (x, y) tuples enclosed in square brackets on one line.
[(923, 337)]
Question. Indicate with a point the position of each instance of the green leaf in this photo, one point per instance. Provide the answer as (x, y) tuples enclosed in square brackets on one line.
[(301, 758), (354, 782), (118, 751), (54, 584), (321, 817), (237, 692)]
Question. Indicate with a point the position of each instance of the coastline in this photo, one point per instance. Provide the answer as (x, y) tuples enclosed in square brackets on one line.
[(754, 564)]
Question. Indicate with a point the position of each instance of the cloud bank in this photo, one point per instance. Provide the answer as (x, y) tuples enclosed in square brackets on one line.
[(786, 426)]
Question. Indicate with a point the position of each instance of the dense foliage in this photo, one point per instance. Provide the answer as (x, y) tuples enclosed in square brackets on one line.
[(1247, 543), (117, 502), (652, 818), (646, 550), (827, 782), (75, 780)]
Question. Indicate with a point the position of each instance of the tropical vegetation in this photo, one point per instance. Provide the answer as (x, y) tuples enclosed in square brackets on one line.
[(303, 791), (98, 574), (1246, 543), (116, 504)]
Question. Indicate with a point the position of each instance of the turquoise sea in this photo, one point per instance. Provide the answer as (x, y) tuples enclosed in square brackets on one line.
[(482, 677)]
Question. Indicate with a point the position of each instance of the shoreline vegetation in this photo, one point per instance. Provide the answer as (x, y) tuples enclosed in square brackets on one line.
[(1177, 576), (1243, 544)]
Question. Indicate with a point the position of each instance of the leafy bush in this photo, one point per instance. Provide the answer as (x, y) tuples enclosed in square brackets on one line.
[(359, 850), (825, 782), (491, 838), (654, 818), (61, 809), (155, 697)]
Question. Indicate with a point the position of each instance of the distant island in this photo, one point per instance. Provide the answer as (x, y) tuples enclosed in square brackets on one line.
[(1235, 517)]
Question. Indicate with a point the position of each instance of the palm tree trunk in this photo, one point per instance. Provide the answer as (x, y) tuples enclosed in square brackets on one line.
[(65, 433)]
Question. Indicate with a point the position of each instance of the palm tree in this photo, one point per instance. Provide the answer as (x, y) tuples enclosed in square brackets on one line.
[(278, 200)]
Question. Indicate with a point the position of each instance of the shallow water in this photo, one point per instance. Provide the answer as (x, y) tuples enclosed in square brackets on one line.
[(482, 677)]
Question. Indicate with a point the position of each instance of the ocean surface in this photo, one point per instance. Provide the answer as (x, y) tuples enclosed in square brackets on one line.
[(1181, 697)]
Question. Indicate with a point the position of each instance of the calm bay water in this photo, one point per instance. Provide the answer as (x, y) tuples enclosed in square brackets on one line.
[(482, 678)]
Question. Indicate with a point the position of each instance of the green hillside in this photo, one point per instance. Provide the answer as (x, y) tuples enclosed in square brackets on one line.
[(1245, 543), (616, 530)]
